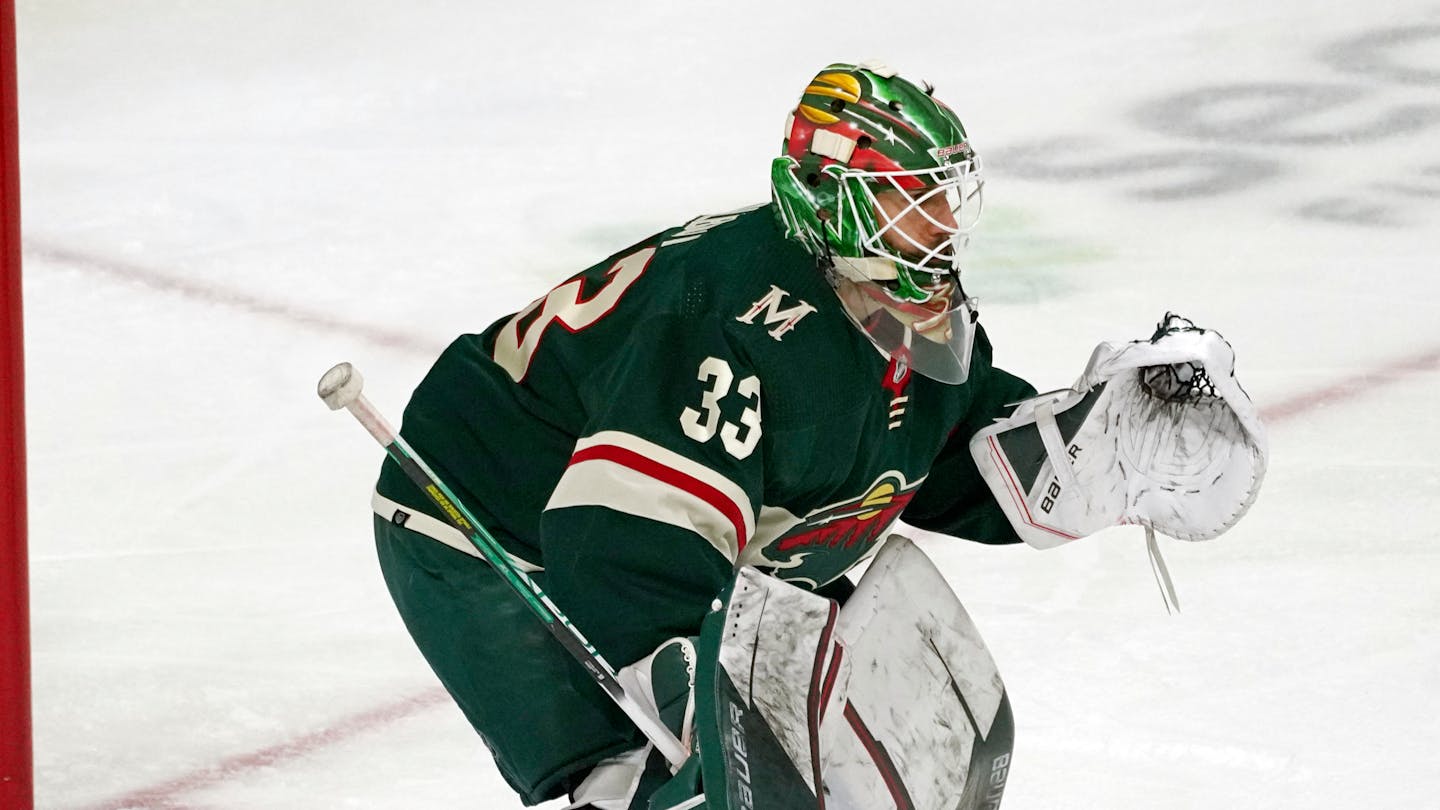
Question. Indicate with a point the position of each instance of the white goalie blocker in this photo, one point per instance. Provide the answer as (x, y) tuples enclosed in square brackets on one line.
[(1156, 433)]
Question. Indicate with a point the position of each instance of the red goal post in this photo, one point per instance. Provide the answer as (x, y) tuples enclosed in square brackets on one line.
[(16, 756)]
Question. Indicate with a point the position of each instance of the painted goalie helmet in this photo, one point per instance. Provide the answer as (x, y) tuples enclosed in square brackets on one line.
[(879, 182)]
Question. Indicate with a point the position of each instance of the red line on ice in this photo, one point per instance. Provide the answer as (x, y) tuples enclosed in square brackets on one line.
[(162, 796), (1355, 385), (236, 299)]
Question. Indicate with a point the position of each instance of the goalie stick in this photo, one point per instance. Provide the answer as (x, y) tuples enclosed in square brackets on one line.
[(340, 387)]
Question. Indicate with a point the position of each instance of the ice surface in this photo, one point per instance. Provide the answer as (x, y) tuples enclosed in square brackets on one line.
[(223, 198)]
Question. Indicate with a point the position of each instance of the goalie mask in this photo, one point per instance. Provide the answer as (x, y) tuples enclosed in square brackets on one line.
[(879, 182)]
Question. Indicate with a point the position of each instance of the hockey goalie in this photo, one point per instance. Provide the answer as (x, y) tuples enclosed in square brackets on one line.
[(687, 445)]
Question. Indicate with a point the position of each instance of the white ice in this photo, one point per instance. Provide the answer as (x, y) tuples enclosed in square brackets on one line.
[(223, 198)]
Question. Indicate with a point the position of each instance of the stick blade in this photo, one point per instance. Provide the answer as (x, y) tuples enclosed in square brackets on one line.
[(340, 386)]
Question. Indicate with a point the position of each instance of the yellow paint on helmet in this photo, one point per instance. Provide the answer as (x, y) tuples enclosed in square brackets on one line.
[(815, 115), (843, 82)]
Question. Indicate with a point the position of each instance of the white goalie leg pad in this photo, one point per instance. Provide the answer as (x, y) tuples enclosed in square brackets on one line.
[(1157, 432), (924, 713), (891, 701), (780, 654)]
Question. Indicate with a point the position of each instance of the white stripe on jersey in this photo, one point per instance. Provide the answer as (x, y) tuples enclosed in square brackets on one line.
[(417, 521), (624, 472)]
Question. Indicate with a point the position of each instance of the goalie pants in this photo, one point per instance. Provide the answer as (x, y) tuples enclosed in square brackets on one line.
[(542, 717)]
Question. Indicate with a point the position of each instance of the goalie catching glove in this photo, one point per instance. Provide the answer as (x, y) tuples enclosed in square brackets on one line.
[(1156, 432)]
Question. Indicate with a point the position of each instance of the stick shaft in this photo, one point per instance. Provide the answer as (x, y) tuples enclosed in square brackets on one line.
[(457, 515)]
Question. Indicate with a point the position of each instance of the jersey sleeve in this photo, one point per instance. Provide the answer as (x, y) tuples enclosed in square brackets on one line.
[(643, 528), (955, 499)]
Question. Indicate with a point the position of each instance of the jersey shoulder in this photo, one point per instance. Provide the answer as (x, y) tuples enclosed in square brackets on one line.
[(719, 263), (740, 269)]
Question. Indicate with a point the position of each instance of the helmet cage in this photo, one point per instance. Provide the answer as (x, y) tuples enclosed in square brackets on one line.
[(960, 185)]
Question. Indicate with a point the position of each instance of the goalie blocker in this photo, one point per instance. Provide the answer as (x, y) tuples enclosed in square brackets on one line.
[(1156, 432)]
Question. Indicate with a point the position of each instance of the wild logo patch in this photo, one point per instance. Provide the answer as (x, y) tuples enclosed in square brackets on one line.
[(831, 539)]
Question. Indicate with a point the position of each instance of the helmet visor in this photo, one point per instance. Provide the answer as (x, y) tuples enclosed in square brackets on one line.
[(935, 338)]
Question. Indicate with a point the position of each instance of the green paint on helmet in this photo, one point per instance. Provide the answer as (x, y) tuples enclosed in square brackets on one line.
[(859, 131)]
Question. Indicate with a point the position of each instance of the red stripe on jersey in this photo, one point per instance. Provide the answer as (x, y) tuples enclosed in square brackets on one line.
[(668, 475)]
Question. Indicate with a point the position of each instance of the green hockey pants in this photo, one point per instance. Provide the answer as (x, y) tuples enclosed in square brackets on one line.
[(544, 720)]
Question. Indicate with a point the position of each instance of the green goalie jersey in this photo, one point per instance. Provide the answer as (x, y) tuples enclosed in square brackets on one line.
[(696, 402)]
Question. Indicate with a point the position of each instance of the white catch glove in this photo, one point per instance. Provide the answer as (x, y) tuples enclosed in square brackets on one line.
[(1156, 432)]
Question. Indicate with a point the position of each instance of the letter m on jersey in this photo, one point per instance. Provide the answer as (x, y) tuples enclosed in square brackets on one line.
[(784, 319)]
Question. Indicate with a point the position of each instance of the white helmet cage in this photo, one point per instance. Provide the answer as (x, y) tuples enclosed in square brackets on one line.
[(961, 187)]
